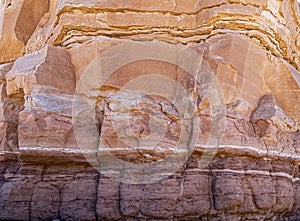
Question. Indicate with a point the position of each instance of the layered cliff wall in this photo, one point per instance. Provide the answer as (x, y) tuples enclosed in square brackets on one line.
[(149, 110)]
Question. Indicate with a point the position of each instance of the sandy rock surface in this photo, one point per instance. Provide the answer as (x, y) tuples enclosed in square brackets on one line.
[(149, 110)]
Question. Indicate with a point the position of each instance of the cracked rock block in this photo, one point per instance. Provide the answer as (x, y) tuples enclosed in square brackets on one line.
[(235, 61), (78, 200), (283, 80), (274, 127), (46, 120), (159, 199), (284, 195), (130, 199), (117, 132), (195, 199), (268, 108), (18, 21), (9, 109), (228, 192), (264, 192), (46, 81), (45, 202), (269, 112), (49, 67), (108, 202), (15, 206)]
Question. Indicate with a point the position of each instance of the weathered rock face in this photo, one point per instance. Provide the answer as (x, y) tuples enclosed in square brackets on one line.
[(149, 110), (21, 18)]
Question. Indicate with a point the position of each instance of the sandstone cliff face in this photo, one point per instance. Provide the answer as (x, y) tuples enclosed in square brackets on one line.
[(197, 118)]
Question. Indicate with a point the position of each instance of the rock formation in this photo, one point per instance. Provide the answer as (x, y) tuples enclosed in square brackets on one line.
[(216, 82)]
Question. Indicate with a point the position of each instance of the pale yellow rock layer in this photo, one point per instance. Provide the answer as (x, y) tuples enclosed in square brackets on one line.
[(274, 24)]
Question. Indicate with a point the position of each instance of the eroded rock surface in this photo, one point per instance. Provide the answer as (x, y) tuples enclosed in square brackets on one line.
[(243, 166), (20, 19)]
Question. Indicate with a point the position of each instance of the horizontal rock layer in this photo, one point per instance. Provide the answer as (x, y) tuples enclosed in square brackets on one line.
[(245, 187)]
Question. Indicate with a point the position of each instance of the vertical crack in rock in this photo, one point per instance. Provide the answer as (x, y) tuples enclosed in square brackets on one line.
[(97, 197), (10, 108)]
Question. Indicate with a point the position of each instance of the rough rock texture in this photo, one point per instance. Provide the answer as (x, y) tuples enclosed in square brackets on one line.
[(251, 47), (20, 19)]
